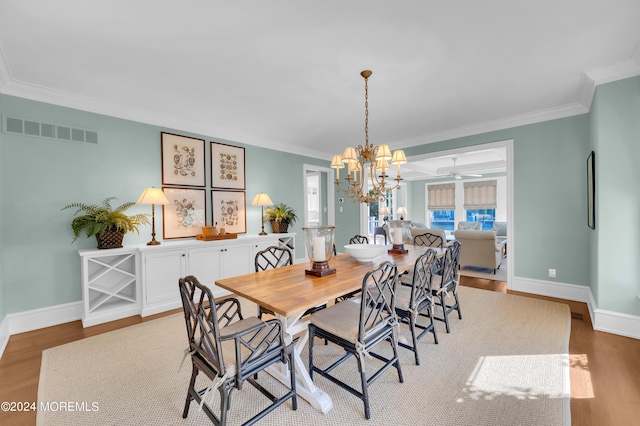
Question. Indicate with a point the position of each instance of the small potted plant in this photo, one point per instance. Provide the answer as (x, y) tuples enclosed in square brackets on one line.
[(108, 224), (280, 216)]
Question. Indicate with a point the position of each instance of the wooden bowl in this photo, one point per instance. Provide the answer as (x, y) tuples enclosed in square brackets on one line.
[(209, 231)]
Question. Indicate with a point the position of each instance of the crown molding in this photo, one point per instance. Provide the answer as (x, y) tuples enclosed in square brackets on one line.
[(5, 71), (491, 126), (589, 81), (68, 100)]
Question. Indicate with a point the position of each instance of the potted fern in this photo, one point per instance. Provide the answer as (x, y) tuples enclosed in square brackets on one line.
[(280, 216), (109, 225)]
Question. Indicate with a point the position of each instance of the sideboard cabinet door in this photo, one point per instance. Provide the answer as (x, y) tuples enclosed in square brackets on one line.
[(161, 271)]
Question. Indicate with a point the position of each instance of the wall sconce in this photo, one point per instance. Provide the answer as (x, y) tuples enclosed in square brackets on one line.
[(153, 196), (262, 200)]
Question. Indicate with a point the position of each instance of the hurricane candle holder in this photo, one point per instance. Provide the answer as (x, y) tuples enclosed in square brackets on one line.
[(400, 232), (319, 241)]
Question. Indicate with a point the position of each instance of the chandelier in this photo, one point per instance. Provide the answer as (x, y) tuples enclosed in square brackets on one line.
[(372, 159)]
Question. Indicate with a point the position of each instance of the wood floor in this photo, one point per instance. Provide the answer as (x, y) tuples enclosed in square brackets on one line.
[(605, 368)]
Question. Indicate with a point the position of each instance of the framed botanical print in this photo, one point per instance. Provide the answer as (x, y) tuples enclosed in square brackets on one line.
[(227, 166), (229, 211), (186, 213), (183, 160)]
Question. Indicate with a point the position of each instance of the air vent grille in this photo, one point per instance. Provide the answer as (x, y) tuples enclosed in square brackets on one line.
[(19, 126)]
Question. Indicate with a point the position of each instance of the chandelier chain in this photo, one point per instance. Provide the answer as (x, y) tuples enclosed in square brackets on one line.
[(366, 112)]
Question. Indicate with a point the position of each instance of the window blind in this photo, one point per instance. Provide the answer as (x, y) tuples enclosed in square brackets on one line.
[(480, 195), (442, 196)]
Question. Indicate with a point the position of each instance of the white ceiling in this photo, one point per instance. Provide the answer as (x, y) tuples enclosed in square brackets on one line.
[(480, 161), (285, 74)]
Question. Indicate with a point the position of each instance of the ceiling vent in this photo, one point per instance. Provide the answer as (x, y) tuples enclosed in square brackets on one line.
[(18, 126)]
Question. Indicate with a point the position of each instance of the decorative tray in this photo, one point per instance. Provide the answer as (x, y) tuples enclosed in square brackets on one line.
[(216, 237)]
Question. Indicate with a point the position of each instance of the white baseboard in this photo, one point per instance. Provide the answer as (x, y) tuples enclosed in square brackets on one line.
[(21, 322), (617, 323), (578, 293), (602, 320), (4, 335)]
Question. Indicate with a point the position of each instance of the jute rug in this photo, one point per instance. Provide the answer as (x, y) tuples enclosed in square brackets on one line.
[(500, 275), (504, 363)]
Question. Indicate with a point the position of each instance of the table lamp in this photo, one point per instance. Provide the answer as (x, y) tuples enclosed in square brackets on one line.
[(262, 200), (385, 212), (401, 211), (153, 196)]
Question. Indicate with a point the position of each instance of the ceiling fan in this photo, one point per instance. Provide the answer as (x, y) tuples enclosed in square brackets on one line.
[(455, 174)]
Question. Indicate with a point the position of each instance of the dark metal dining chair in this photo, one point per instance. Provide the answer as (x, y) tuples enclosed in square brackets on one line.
[(359, 328), (445, 284), (431, 240), (428, 240), (359, 239), (379, 230), (274, 257), (416, 301), (230, 350)]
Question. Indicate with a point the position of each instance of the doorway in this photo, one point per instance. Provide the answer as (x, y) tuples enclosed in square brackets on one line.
[(319, 201), (507, 145)]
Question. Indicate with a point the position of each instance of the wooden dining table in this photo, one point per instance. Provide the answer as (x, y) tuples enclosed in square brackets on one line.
[(289, 292)]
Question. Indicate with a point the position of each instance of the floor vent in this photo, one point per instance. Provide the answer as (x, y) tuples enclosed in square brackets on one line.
[(18, 126), (577, 316)]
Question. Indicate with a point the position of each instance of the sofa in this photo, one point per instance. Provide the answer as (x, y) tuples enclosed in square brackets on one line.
[(418, 228), (500, 229), (479, 249), (469, 225)]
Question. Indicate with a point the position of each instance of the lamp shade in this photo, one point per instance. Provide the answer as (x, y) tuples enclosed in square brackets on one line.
[(382, 165), (337, 162), (401, 210), (153, 196), (383, 153), (399, 157), (385, 210), (350, 155), (262, 199)]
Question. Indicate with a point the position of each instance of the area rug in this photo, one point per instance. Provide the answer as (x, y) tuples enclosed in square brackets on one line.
[(473, 271), (505, 363)]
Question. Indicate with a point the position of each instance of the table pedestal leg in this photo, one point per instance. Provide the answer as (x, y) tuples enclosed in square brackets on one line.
[(304, 385)]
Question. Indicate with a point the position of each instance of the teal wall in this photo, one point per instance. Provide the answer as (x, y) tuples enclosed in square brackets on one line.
[(615, 241), (3, 297), (40, 266), (40, 176), (549, 196)]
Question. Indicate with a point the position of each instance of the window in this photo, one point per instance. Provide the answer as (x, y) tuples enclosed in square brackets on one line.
[(480, 202), (443, 219), (371, 214), (442, 205), (485, 216)]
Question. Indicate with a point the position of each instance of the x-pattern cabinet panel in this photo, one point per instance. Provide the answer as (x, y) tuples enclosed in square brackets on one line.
[(143, 280)]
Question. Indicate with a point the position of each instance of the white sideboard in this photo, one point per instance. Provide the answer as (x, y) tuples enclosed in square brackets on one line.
[(143, 280)]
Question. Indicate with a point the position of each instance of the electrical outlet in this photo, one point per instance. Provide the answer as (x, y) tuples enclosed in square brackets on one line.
[(552, 273)]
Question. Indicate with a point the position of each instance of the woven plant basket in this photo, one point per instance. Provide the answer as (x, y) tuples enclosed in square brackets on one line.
[(110, 238), (279, 227)]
